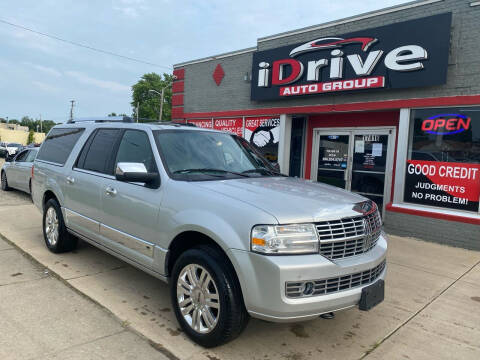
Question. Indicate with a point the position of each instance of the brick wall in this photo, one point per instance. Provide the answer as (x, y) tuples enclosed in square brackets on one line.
[(435, 230), (202, 94)]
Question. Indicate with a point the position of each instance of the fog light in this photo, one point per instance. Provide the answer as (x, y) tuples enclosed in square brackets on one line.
[(307, 288)]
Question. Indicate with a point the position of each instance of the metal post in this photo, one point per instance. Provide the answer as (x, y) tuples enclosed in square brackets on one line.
[(71, 109), (138, 109), (161, 105)]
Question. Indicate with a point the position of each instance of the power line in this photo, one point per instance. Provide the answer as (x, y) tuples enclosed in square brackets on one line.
[(83, 45)]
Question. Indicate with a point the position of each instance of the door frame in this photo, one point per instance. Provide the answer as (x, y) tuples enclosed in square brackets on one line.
[(352, 131)]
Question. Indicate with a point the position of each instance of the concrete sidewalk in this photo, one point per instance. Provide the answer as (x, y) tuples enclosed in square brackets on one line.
[(42, 318), (431, 310)]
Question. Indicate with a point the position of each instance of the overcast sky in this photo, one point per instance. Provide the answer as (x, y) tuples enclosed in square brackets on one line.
[(39, 75)]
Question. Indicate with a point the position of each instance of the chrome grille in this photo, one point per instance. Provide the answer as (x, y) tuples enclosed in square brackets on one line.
[(349, 236), (293, 289)]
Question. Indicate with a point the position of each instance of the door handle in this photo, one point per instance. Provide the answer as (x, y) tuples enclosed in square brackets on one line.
[(110, 191), (70, 180)]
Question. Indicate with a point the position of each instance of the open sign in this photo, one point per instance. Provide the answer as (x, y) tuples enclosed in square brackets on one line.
[(446, 124)]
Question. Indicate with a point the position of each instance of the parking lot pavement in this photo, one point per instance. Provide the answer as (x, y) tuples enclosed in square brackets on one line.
[(42, 318), (431, 309)]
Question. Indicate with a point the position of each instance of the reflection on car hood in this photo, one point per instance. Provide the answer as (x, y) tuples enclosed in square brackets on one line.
[(290, 200)]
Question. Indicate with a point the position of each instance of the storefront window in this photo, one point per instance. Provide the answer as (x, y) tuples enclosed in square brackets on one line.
[(443, 164), (264, 134)]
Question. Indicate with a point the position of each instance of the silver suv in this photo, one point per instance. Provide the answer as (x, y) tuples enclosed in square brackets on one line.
[(204, 211)]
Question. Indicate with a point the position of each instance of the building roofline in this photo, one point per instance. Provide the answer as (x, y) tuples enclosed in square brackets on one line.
[(367, 15), (219, 56)]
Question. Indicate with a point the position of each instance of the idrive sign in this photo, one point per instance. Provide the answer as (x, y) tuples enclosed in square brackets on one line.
[(395, 56)]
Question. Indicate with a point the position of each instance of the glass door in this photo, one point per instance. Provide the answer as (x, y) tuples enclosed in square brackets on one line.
[(369, 165), (359, 160), (332, 162)]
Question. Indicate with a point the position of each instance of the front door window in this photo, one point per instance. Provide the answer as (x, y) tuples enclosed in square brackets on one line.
[(333, 159), (356, 160)]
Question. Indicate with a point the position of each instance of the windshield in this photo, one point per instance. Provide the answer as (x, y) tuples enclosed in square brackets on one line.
[(14, 145), (203, 155)]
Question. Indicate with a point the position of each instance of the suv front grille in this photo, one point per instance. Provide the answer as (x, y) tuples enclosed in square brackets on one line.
[(295, 289), (349, 236)]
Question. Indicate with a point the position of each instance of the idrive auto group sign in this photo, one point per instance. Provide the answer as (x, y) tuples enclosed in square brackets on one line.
[(402, 55)]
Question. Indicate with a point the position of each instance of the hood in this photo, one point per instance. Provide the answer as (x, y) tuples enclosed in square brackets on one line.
[(290, 200)]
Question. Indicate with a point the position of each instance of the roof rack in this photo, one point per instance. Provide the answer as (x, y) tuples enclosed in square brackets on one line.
[(173, 123), (106, 119)]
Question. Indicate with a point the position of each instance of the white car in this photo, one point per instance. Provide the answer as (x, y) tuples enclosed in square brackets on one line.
[(12, 148)]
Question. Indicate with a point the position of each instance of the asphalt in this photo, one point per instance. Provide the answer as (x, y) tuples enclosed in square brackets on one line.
[(431, 309)]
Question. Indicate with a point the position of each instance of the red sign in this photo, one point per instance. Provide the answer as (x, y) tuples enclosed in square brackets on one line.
[(231, 125), (443, 184), (202, 123)]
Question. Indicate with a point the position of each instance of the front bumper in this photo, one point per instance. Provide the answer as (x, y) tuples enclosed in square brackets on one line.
[(263, 281)]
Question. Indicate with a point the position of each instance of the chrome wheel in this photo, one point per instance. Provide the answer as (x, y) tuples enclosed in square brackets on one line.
[(197, 297), (51, 226)]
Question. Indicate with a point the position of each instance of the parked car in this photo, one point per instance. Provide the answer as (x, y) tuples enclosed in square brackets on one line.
[(202, 210), (3, 149), (12, 148), (17, 171)]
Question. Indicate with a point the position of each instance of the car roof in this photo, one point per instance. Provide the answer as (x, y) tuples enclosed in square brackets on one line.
[(132, 125)]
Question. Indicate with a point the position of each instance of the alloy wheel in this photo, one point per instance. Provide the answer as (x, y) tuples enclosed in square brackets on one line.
[(198, 298), (51, 226)]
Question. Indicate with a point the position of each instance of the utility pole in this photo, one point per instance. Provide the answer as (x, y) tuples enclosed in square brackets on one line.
[(71, 109), (161, 101), (161, 105), (138, 109), (40, 123)]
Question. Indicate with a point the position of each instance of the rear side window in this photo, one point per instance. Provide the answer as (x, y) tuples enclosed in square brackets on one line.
[(97, 153), (59, 144), (22, 156)]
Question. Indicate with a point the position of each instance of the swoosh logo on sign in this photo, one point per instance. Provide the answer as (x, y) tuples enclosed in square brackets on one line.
[(332, 43)]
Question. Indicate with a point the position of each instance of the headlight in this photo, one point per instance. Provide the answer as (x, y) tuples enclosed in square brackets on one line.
[(284, 239)]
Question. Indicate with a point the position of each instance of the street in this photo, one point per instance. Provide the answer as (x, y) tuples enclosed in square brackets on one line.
[(431, 310)]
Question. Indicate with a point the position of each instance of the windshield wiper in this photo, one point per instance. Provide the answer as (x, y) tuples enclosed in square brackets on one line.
[(262, 170), (207, 170)]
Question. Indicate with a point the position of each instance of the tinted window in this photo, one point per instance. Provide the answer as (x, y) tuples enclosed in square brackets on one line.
[(443, 163), (97, 153), (135, 147), (201, 155), (59, 144), (22, 156), (448, 135), (31, 156)]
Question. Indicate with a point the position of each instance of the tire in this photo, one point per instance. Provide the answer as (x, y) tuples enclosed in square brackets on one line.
[(30, 189), (55, 234), (228, 312), (5, 186)]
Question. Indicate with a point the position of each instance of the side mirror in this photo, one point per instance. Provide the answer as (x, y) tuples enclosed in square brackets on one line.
[(276, 166), (135, 172)]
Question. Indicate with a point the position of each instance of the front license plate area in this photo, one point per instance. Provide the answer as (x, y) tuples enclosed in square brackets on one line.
[(372, 295)]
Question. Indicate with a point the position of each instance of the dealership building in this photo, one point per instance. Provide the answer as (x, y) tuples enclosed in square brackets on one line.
[(385, 104)]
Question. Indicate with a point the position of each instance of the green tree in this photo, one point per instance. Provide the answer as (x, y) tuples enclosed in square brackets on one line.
[(149, 103), (46, 125), (31, 137)]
